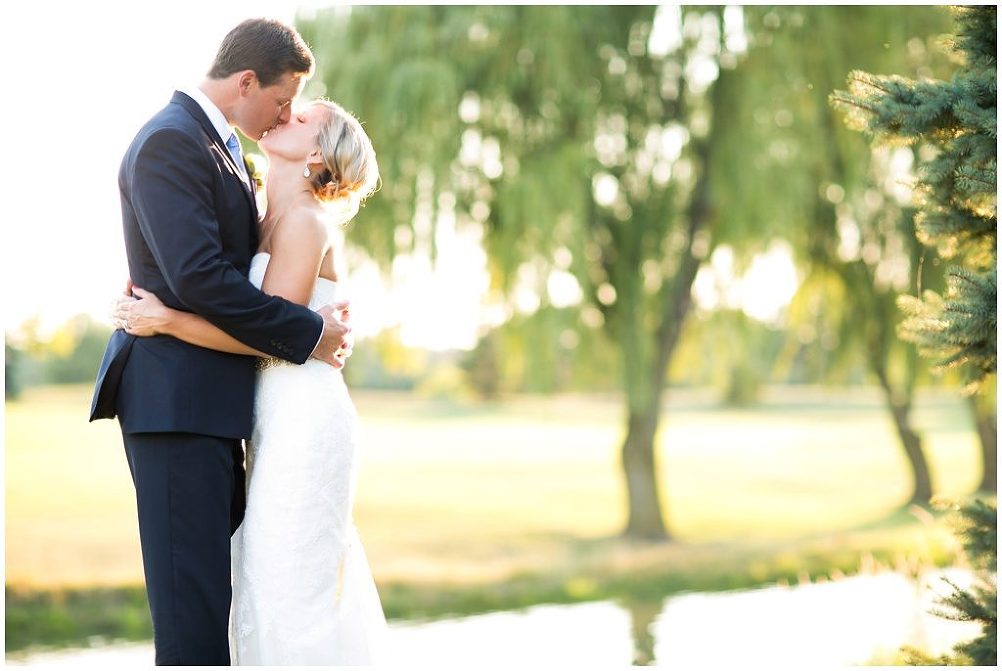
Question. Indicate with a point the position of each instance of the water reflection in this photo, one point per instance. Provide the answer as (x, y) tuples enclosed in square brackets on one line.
[(643, 614), (595, 635), (851, 621), (856, 620)]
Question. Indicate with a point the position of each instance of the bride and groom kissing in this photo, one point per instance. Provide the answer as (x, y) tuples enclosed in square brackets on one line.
[(233, 330)]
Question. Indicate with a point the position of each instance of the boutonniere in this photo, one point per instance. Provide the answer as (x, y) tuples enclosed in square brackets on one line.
[(257, 178)]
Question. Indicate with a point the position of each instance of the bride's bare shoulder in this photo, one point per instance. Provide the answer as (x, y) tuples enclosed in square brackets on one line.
[(302, 227)]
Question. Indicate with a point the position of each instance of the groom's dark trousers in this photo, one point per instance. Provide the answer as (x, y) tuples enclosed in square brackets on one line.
[(190, 225), (189, 493)]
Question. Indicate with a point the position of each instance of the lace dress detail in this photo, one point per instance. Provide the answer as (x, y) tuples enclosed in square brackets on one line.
[(302, 590)]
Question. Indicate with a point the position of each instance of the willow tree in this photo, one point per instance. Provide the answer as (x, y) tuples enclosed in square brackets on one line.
[(572, 144), (958, 209), (850, 228)]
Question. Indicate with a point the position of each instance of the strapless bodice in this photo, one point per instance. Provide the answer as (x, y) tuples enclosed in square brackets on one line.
[(324, 290)]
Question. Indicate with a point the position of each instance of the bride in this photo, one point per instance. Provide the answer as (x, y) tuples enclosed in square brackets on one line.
[(302, 590)]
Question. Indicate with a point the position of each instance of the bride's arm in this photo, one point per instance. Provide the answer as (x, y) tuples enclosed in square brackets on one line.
[(298, 248), (147, 316)]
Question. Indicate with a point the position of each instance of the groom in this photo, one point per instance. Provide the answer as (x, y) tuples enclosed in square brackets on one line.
[(190, 224)]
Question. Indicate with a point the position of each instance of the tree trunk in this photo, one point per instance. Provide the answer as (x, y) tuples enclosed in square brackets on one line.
[(640, 468), (645, 380), (912, 444), (900, 404), (643, 385), (645, 376), (986, 424)]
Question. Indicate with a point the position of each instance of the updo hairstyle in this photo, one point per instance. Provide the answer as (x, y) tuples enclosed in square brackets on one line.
[(350, 170)]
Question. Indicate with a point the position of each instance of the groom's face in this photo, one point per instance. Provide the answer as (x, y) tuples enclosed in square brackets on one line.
[(267, 107)]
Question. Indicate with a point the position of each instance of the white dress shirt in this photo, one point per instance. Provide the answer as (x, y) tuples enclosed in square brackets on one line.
[(216, 117)]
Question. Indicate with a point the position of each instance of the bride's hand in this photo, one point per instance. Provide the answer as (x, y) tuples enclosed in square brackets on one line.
[(145, 316)]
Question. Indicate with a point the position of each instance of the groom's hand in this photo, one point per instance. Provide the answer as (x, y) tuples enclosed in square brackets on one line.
[(336, 342)]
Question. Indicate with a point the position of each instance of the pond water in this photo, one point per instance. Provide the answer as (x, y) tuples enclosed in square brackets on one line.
[(835, 624)]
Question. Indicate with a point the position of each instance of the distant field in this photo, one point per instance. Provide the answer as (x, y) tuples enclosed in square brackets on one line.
[(469, 493)]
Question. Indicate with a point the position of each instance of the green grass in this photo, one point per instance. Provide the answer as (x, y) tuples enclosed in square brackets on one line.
[(465, 507), (51, 618)]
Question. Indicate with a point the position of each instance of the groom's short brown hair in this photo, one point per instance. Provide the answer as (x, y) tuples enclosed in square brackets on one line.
[(268, 47)]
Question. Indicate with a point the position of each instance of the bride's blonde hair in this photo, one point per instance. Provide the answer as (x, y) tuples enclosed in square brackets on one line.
[(350, 170)]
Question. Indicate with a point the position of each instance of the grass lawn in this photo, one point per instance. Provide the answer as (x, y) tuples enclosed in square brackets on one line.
[(521, 501)]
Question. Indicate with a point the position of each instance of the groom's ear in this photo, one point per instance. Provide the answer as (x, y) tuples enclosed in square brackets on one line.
[(246, 81)]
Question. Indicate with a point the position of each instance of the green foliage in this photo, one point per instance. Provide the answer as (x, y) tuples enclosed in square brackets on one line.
[(960, 329), (481, 366), (12, 380), (384, 362), (444, 381), (538, 353), (503, 107), (72, 353), (958, 119), (738, 355), (82, 361), (836, 196), (978, 530), (912, 657), (75, 616), (851, 229), (441, 88)]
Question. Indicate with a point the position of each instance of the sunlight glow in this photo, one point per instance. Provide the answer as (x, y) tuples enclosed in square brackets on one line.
[(85, 95), (762, 292), (563, 289), (666, 33)]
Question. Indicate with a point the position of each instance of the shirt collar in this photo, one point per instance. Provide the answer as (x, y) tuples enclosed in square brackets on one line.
[(216, 117)]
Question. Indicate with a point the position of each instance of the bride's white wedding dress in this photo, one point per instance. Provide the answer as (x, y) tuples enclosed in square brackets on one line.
[(302, 590)]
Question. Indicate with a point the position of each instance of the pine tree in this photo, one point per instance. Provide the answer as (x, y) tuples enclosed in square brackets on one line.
[(979, 530), (958, 119)]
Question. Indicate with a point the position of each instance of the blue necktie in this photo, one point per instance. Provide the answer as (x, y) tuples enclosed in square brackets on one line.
[(233, 144)]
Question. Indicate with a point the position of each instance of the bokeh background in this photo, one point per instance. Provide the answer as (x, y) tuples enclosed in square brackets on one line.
[(627, 315)]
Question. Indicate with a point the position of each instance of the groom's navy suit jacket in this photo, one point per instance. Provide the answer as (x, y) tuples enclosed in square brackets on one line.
[(190, 226)]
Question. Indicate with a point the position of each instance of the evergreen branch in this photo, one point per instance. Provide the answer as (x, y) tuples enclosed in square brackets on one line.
[(990, 185), (869, 81), (853, 103)]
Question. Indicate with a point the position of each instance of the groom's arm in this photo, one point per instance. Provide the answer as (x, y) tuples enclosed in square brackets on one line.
[(174, 202)]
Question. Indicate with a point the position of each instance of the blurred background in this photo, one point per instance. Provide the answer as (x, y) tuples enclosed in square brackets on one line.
[(630, 365)]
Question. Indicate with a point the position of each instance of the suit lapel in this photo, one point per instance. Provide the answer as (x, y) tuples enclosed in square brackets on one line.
[(195, 110)]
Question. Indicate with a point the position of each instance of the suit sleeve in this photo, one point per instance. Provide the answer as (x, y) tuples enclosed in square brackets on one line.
[(173, 198)]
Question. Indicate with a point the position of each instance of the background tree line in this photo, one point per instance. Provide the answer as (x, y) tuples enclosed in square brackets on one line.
[(625, 146)]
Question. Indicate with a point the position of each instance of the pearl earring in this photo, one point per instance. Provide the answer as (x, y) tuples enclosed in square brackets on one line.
[(306, 172)]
